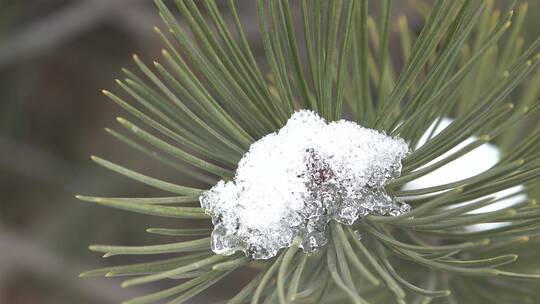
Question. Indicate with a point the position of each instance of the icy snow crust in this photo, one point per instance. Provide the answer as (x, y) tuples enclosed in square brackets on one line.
[(293, 182)]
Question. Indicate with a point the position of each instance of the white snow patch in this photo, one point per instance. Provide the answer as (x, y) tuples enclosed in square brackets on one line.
[(473, 163), (293, 182)]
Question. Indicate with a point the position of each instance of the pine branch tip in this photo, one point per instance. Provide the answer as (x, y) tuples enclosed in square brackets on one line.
[(485, 138), (129, 283), (86, 274)]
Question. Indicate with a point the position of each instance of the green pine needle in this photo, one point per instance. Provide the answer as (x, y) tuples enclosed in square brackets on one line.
[(200, 107)]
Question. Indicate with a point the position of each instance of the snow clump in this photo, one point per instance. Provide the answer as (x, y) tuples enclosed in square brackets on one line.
[(293, 182)]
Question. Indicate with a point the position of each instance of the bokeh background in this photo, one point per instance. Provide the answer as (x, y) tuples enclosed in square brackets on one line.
[(55, 57)]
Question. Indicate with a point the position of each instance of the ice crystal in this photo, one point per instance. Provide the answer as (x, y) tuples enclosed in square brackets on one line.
[(295, 181)]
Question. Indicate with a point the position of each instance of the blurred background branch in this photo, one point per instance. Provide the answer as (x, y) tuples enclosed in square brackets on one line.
[(23, 253), (74, 19)]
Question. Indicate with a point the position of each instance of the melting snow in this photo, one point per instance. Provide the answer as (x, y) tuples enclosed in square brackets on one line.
[(293, 182)]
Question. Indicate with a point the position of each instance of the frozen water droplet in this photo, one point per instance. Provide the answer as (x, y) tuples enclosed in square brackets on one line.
[(358, 234), (295, 181), (223, 242)]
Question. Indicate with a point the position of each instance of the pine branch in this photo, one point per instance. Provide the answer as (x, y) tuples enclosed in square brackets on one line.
[(199, 111)]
